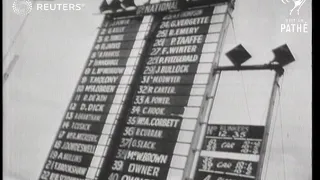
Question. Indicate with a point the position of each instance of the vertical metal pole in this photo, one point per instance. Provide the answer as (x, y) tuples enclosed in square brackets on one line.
[(268, 123)]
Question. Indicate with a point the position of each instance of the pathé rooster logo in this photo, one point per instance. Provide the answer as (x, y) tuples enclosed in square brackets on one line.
[(297, 5)]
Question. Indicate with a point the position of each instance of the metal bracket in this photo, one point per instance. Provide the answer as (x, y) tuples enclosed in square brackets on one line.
[(279, 70), (209, 97), (195, 149)]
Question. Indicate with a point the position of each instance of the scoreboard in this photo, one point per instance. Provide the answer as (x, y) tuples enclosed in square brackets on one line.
[(137, 104), (239, 140)]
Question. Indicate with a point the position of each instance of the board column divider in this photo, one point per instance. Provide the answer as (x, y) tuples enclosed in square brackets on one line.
[(128, 100)]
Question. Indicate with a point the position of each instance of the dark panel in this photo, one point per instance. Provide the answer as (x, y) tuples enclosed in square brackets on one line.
[(173, 59), (169, 135), (171, 69), (151, 121), (66, 168), (125, 21), (157, 111), (135, 176), (230, 166), (70, 157), (189, 13), (94, 109), (116, 37), (177, 50), (95, 98), (80, 126), (98, 79), (164, 90), (108, 62), (158, 100), (84, 148), (97, 103), (183, 36), (212, 176), (122, 29), (232, 145), (111, 53), (168, 79), (46, 174), (114, 45), (191, 21), (96, 88), (235, 131), (146, 145)]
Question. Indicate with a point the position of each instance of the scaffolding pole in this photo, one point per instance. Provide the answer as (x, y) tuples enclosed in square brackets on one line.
[(10, 68)]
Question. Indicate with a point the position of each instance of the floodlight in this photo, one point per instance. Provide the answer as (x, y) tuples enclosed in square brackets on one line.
[(238, 55), (283, 56)]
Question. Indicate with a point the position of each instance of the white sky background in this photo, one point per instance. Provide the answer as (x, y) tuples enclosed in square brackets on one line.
[(54, 46)]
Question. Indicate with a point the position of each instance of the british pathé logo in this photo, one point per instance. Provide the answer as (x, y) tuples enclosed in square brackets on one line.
[(297, 4), (294, 24), (22, 7)]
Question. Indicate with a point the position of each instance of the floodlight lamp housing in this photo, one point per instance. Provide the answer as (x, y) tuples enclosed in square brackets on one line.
[(238, 55), (283, 56)]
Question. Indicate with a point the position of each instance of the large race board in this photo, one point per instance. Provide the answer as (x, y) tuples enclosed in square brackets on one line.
[(135, 109)]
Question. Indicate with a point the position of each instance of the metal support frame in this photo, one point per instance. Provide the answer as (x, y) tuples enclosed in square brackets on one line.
[(276, 67), (268, 124), (278, 73), (204, 123)]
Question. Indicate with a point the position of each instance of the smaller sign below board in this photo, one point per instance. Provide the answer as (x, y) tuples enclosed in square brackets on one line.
[(235, 131), (212, 176), (232, 145), (230, 167)]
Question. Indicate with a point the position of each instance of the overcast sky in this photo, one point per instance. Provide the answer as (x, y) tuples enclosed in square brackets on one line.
[(54, 46)]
